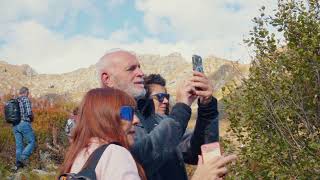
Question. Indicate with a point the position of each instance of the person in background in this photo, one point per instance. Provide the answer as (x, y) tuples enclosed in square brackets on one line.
[(71, 123), (99, 123), (23, 131)]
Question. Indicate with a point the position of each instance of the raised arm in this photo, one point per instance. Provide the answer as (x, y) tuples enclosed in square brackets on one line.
[(207, 124)]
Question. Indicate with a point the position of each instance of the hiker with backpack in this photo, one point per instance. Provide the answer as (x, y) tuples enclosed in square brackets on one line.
[(23, 131)]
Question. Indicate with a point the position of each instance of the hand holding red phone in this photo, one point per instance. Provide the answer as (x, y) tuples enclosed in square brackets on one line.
[(212, 165), (215, 168), (210, 151)]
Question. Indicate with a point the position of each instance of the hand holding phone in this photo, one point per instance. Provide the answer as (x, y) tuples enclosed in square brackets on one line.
[(197, 63), (210, 150)]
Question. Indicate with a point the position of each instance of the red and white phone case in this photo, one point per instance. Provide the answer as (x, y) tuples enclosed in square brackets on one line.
[(210, 150)]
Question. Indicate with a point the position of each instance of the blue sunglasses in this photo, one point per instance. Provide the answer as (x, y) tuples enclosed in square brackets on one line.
[(160, 96), (126, 113)]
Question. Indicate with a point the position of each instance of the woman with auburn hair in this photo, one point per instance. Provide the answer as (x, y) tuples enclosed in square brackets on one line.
[(100, 123)]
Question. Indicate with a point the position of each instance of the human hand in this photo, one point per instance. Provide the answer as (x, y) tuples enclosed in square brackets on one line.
[(214, 169), (186, 93), (204, 88)]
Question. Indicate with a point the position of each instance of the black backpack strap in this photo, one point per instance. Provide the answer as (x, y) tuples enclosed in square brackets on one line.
[(88, 169), (96, 155)]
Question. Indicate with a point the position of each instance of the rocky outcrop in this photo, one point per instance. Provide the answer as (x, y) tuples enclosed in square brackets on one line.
[(74, 84)]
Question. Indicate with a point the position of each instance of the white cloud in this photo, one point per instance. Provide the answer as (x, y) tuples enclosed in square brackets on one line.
[(13, 9), (124, 35), (204, 27), (217, 27), (48, 52), (189, 18), (48, 12)]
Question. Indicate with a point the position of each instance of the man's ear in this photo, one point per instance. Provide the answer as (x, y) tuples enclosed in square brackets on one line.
[(106, 80)]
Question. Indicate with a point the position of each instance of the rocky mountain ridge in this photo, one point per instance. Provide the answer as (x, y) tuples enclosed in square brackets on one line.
[(173, 68)]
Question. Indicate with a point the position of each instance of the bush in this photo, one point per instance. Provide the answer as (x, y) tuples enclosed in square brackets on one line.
[(275, 114)]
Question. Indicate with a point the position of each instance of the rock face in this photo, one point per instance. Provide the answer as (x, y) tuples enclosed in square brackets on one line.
[(173, 68)]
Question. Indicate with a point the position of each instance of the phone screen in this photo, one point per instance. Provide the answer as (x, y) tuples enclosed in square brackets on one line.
[(197, 63), (210, 150)]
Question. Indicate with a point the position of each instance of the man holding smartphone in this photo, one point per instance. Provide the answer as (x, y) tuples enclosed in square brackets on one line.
[(160, 145)]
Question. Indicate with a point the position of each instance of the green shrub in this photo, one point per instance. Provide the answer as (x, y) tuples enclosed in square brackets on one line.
[(275, 114)]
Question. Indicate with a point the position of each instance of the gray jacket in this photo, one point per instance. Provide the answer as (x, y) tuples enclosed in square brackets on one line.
[(162, 146)]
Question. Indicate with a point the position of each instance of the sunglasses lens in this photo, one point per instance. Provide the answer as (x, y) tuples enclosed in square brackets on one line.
[(126, 113), (161, 96)]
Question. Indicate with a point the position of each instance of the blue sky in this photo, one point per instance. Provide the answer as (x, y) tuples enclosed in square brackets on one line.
[(56, 36)]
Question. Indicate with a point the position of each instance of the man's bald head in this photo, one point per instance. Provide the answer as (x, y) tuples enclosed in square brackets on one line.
[(109, 60), (121, 69)]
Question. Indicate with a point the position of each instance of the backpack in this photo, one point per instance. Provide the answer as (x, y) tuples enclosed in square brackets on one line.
[(12, 112), (88, 170)]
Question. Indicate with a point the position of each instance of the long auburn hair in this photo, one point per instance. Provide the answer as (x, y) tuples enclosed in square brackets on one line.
[(99, 117)]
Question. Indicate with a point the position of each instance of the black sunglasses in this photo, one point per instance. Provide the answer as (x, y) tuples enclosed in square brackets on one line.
[(161, 96)]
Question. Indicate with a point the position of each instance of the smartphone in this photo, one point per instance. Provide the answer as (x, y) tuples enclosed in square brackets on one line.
[(210, 150), (197, 63)]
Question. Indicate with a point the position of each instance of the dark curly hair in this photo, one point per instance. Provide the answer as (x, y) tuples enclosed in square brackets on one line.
[(154, 79)]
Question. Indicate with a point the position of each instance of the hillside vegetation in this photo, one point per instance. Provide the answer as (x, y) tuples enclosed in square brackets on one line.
[(275, 114), (51, 140)]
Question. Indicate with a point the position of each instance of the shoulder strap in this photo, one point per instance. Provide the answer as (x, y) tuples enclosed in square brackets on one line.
[(95, 156), (88, 170)]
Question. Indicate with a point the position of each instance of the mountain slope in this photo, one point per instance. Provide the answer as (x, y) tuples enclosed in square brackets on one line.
[(173, 68)]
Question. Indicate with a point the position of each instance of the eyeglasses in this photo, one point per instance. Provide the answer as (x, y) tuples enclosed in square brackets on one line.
[(126, 113), (161, 96)]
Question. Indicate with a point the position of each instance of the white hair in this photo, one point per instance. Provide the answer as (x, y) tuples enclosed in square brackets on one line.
[(103, 63)]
